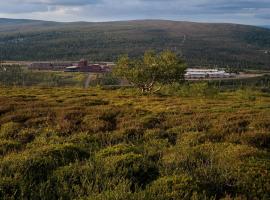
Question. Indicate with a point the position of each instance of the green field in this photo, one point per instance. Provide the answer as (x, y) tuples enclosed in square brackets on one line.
[(73, 143)]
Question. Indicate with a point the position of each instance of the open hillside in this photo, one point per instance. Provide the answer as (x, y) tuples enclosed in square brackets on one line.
[(71, 143), (200, 43)]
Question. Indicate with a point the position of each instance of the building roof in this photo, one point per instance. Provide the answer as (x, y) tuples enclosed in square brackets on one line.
[(201, 70), (72, 67)]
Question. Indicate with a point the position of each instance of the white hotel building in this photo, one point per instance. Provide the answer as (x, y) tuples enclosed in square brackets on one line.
[(206, 73)]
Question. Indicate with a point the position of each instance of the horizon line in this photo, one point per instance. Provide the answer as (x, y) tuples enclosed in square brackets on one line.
[(130, 20)]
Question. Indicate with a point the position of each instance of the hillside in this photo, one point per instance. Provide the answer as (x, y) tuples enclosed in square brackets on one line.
[(266, 26), (200, 43), (71, 143)]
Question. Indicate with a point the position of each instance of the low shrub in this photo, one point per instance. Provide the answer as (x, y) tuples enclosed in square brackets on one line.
[(10, 130), (180, 186), (76, 180), (32, 169), (256, 139), (233, 124), (126, 162), (214, 166), (9, 188), (169, 135), (116, 150), (93, 124), (7, 146), (151, 121), (96, 102), (72, 143), (69, 121), (27, 135)]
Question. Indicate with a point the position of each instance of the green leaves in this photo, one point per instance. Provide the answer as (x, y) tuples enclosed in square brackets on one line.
[(151, 69)]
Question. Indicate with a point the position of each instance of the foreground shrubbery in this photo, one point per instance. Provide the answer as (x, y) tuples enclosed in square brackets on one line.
[(16, 75), (99, 144)]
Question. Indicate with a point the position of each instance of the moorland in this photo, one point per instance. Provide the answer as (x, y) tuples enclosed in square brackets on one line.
[(185, 142)]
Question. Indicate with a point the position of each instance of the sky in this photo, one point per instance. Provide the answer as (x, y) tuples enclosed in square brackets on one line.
[(253, 12)]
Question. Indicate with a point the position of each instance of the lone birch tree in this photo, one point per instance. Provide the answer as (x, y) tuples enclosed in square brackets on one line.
[(150, 70)]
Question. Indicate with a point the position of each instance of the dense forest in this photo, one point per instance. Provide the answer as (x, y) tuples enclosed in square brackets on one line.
[(202, 44)]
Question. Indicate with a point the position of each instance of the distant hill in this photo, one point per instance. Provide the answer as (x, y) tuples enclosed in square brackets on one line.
[(199, 43), (266, 26)]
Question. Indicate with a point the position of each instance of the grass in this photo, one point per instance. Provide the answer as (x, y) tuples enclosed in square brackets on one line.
[(16, 75), (73, 143)]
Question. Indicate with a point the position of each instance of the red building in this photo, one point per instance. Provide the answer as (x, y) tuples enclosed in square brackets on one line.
[(83, 63), (95, 68), (83, 66)]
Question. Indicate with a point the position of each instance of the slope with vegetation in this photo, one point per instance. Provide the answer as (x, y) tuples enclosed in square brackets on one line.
[(71, 143), (200, 43)]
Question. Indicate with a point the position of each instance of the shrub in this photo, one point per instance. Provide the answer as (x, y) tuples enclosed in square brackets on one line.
[(96, 102), (256, 139), (33, 168), (27, 135), (17, 117), (151, 121), (263, 123), (69, 121), (93, 124), (214, 166), (116, 150), (125, 162), (253, 178), (9, 188), (86, 140), (247, 94), (76, 180), (10, 130), (180, 186), (7, 146), (120, 191), (151, 134), (101, 120), (229, 125)]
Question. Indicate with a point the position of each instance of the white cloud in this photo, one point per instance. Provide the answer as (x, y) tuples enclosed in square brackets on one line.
[(237, 11)]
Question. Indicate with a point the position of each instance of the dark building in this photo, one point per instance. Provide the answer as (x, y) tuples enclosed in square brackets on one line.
[(55, 66), (95, 68), (83, 66), (41, 66), (83, 63)]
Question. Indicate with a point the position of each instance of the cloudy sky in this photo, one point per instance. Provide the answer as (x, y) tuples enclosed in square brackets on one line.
[(255, 12)]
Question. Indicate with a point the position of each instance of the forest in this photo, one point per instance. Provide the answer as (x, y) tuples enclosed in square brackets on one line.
[(200, 44)]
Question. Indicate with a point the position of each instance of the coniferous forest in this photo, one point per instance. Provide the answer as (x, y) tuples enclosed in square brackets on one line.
[(200, 44)]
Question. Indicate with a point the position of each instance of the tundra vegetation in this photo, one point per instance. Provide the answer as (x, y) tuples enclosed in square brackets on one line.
[(203, 140), (185, 142)]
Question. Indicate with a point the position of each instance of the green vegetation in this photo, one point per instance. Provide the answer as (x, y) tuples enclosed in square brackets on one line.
[(151, 69), (188, 142), (203, 44), (15, 75)]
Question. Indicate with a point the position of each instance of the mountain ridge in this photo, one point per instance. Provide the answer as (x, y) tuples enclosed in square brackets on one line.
[(199, 43)]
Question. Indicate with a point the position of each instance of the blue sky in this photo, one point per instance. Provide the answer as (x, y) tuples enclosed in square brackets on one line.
[(254, 12)]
